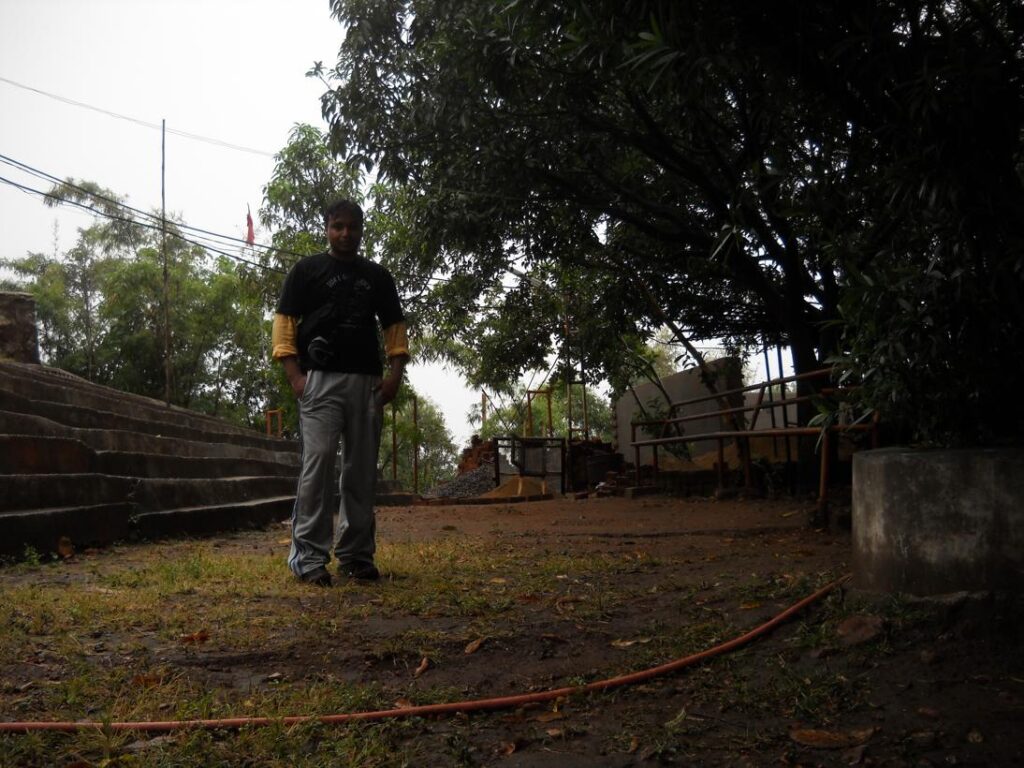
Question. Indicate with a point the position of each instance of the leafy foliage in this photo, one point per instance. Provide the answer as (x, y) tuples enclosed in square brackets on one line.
[(512, 416), (101, 315), (731, 169), (429, 436)]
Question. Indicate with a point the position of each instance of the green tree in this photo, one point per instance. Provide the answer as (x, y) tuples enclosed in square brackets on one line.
[(509, 413), (428, 436), (729, 170), (101, 313), (530, 130)]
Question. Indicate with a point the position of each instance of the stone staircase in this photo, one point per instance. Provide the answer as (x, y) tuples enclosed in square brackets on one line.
[(94, 465)]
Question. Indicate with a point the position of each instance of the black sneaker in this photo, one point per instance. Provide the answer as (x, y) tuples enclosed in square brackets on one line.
[(359, 571), (318, 577)]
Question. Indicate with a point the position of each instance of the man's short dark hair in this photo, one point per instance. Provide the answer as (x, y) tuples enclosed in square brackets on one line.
[(343, 206)]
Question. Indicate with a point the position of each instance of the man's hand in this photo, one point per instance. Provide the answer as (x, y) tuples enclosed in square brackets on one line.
[(388, 388), (295, 375), (298, 384)]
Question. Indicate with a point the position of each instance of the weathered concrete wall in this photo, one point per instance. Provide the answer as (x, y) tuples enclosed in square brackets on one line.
[(19, 340), (928, 522), (684, 385)]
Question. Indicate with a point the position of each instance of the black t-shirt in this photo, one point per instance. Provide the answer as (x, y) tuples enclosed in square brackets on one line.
[(338, 303)]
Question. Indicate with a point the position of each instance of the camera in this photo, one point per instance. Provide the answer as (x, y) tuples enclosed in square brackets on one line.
[(320, 352)]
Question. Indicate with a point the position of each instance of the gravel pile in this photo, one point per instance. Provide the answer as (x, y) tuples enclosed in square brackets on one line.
[(473, 483)]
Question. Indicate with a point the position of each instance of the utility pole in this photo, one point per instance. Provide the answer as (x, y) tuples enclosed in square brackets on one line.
[(163, 250)]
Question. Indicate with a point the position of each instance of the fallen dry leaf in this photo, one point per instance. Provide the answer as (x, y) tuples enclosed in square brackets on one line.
[(555, 732), (65, 547), (403, 704), (499, 581), (547, 717), (563, 602), (474, 646), (423, 667), (627, 643), (506, 747), (634, 745), (830, 739), (195, 638), (854, 755), (676, 721), (148, 680), (859, 629), (749, 606), (143, 744)]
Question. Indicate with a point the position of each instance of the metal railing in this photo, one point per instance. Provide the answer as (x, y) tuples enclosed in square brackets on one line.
[(742, 432)]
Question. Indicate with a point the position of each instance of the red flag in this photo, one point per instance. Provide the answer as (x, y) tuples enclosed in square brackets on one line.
[(250, 233)]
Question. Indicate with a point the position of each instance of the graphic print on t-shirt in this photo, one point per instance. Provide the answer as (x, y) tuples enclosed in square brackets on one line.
[(353, 300)]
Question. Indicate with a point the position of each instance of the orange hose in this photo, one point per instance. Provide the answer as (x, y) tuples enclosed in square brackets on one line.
[(503, 702)]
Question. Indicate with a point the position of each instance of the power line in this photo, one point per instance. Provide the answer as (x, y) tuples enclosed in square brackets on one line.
[(38, 173), (205, 235), (200, 237), (145, 225), (137, 121)]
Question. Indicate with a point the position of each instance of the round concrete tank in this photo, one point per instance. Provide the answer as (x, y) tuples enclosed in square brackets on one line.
[(929, 522)]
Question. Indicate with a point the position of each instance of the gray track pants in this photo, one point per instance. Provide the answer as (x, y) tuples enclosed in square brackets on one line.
[(336, 407)]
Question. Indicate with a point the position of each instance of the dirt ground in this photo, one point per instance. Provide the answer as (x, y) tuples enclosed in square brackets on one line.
[(938, 682), (851, 680)]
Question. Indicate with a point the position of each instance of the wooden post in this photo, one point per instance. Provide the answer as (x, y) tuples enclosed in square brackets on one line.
[(394, 442), (823, 480), (415, 446)]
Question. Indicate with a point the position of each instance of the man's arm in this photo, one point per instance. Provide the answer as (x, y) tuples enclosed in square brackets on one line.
[(283, 340), (396, 346)]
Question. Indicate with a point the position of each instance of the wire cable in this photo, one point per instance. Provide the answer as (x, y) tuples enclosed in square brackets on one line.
[(227, 239), (137, 121), (144, 225)]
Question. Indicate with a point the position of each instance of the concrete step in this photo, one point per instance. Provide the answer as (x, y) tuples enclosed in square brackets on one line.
[(102, 524), (43, 528), (30, 492), (43, 383), (90, 418), (206, 520), (34, 455), (283, 452), (96, 465)]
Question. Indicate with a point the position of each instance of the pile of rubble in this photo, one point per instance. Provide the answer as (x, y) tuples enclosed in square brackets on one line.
[(475, 482)]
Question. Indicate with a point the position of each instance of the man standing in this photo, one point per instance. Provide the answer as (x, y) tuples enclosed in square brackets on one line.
[(325, 335)]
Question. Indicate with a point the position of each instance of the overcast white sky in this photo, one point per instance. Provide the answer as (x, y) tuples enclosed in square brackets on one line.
[(228, 70)]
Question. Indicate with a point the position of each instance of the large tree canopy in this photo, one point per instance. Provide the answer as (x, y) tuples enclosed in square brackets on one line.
[(735, 170)]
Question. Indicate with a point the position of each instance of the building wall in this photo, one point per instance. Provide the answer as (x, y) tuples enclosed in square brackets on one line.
[(684, 385)]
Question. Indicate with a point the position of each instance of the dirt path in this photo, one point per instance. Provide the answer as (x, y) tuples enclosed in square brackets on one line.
[(535, 596)]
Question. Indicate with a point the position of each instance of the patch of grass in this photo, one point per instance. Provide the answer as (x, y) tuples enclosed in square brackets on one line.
[(196, 630), (816, 695)]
